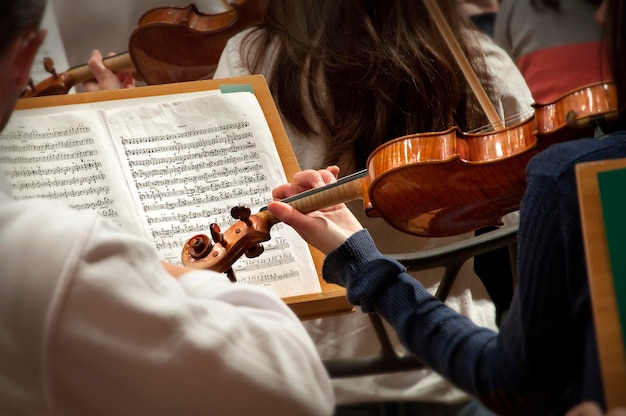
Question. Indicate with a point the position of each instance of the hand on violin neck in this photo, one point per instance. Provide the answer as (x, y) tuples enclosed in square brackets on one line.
[(305, 180), (325, 229), (105, 79)]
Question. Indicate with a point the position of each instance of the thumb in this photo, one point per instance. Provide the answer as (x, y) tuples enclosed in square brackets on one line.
[(289, 215)]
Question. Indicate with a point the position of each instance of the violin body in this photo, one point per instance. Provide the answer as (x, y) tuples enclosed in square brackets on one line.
[(173, 44), (438, 185), (449, 183), (578, 108), (170, 44)]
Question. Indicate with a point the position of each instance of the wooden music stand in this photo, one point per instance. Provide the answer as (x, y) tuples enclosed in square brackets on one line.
[(331, 300), (604, 299)]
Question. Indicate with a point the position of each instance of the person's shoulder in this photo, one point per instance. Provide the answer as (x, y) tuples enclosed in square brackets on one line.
[(250, 33), (561, 158), (231, 63)]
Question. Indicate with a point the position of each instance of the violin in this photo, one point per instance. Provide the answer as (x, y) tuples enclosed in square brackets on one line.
[(427, 184), (583, 107), (155, 55), (175, 44), (403, 185), (61, 83)]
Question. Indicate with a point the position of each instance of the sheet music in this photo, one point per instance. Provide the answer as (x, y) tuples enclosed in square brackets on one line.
[(164, 171), (67, 158)]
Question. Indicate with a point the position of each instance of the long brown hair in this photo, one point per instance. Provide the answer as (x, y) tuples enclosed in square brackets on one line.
[(370, 70), (615, 38)]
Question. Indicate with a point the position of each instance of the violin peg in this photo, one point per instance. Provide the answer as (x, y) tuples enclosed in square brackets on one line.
[(240, 213), (48, 65), (216, 234), (231, 275), (255, 251)]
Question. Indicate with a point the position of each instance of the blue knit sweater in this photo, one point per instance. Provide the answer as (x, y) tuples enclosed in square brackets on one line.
[(544, 359)]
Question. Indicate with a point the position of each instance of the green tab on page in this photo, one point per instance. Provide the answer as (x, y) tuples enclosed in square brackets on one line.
[(225, 89)]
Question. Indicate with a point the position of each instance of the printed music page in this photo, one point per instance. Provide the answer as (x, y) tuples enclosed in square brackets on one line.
[(163, 170)]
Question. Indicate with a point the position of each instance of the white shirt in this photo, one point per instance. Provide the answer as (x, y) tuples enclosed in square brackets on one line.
[(91, 324)]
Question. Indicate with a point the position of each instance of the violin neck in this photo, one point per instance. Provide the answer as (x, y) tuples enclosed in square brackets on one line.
[(346, 189), (116, 63)]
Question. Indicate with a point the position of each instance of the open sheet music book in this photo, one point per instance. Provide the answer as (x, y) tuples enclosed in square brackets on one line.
[(163, 167)]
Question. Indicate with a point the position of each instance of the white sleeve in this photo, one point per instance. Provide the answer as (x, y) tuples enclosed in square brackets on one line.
[(230, 64), (508, 82), (128, 339)]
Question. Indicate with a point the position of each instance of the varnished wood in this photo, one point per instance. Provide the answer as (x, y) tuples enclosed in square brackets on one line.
[(62, 82), (577, 107), (445, 184), (183, 44), (169, 44), (611, 349)]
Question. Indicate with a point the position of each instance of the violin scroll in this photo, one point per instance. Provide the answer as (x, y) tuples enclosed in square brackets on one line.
[(220, 252)]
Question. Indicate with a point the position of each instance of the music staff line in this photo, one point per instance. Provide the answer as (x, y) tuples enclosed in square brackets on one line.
[(55, 157), (202, 189), (46, 146), (202, 142), (70, 193), (28, 172), (50, 183), (50, 134), (194, 167), (257, 167), (265, 278), (191, 133), (204, 153), (206, 199), (106, 201)]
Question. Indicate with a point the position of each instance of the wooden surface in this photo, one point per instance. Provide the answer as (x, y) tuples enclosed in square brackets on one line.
[(331, 301), (604, 302)]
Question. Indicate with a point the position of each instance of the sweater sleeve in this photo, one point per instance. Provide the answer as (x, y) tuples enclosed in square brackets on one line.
[(471, 357)]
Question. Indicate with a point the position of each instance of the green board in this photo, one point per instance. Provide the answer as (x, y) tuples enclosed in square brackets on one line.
[(612, 185)]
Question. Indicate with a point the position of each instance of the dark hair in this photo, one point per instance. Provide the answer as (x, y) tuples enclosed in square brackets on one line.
[(554, 4), (370, 70), (615, 38), (16, 15)]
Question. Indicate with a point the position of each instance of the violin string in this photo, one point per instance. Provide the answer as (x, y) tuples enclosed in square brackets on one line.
[(514, 118)]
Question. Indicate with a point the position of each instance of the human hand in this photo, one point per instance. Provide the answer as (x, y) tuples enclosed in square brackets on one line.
[(592, 409), (174, 270), (325, 229), (105, 78)]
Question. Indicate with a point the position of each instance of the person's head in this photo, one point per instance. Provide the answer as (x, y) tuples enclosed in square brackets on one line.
[(20, 39), (612, 16), (370, 70)]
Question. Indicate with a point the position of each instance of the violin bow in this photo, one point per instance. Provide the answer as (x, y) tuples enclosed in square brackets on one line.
[(464, 64)]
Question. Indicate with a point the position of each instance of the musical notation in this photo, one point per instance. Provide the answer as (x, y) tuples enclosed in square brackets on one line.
[(44, 146), (54, 133), (160, 181), (170, 137)]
